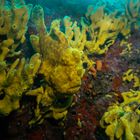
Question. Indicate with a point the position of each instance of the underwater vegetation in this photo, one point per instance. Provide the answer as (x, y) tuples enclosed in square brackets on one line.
[(123, 119), (78, 77)]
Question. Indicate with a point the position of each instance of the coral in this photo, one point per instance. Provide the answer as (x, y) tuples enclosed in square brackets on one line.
[(38, 13), (61, 74), (104, 29), (122, 120), (59, 59), (13, 24), (61, 65), (4, 47), (77, 38), (14, 82), (16, 75), (130, 76)]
